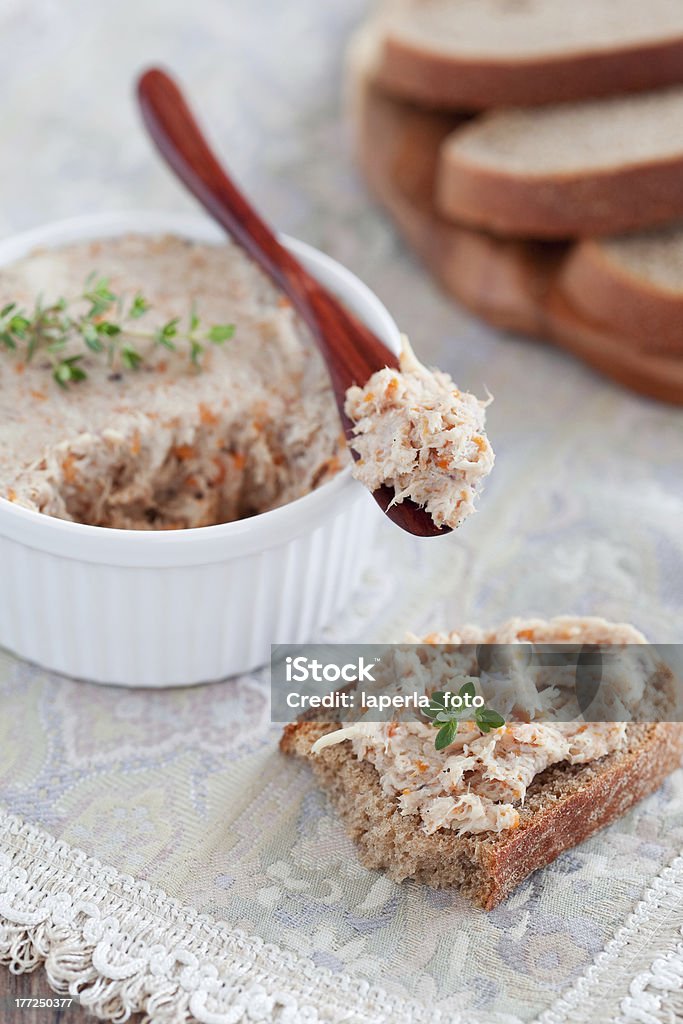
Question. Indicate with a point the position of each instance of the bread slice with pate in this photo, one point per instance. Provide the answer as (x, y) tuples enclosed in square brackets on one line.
[(572, 170), (478, 54), (469, 833)]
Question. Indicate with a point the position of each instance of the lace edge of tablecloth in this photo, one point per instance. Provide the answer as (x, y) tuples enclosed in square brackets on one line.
[(120, 946)]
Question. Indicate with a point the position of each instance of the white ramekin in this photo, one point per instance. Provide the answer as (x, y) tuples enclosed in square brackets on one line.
[(166, 609)]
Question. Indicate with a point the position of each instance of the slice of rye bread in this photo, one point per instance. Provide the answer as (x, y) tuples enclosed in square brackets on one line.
[(511, 284), (477, 54), (482, 53), (631, 365), (564, 805), (573, 170), (631, 284)]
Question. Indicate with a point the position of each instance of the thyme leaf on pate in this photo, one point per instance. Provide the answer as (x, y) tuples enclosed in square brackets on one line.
[(109, 325), (446, 710)]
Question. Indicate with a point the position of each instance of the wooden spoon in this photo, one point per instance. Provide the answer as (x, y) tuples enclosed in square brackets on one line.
[(350, 349)]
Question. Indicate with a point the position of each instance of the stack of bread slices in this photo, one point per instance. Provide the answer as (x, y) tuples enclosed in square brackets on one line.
[(532, 153)]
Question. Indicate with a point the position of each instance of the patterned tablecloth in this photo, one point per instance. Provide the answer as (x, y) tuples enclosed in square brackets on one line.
[(223, 886)]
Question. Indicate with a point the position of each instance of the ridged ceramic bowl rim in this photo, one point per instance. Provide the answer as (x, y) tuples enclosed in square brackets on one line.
[(142, 548)]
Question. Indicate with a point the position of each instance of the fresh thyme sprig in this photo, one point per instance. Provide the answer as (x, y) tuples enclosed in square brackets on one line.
[(109, 325), (445, 714)]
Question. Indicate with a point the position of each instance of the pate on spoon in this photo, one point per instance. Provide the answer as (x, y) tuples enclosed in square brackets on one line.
[(352, 352)]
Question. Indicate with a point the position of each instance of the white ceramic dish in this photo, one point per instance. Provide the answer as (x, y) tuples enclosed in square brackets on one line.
[(164, 609)]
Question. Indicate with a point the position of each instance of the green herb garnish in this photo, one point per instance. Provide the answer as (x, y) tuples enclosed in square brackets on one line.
[(109, 325), (445, 714)]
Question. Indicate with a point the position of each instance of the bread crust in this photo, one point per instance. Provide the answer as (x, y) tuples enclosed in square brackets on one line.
[(564, 806), (604, 292), (412, 72), (557, 206), (655, 375)]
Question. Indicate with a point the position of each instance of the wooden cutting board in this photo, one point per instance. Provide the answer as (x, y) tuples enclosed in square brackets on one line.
[(511, 284)]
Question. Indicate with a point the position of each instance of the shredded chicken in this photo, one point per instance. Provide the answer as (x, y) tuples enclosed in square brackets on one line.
[(479, 782), (417, 433)]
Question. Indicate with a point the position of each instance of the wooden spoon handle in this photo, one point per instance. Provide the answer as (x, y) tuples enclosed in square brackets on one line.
[(179, 139), (351, 351)]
